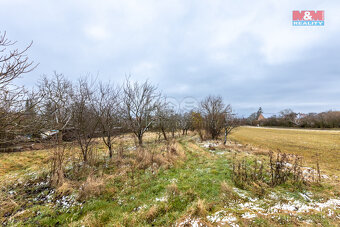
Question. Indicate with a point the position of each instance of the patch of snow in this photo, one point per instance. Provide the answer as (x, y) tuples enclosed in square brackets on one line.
[(299, 207), (273, 196), (132, 148), (308, 221), (139, 208), (209, 144), (248, 215), (194, 222), (162, 199), (221, 218), (242, 194), (330, 213), (120, 201), (220, 152), (324, 176), (306, 197), (173, 180), (251, 206)]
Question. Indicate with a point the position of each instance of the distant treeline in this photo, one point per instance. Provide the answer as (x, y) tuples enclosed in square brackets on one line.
[(288, 118)]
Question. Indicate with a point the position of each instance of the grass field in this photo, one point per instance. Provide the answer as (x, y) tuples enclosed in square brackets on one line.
[(194, 186), (307, 143)]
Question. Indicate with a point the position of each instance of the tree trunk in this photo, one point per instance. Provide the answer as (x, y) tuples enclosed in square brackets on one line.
[(140, 140), (60, 137), (200, 134), (164, 134), (85, 153), (85, 156), (110, 151), (109, 146), (225, 137)]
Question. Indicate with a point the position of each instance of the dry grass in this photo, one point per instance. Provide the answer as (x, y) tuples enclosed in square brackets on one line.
[(155, 211), (172, 189), (7, 207), (151, 214), (261, 152), (124, 190), (227, 192), (199, 209), (92, 187), (65, 189), (299, 142), (20, 161)]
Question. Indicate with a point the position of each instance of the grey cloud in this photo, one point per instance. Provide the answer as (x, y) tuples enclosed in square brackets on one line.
[(247, 52)]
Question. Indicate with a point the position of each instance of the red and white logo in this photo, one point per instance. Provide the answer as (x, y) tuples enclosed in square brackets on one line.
[(308, 18)]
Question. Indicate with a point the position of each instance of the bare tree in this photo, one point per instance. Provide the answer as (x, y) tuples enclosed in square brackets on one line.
[(213, 112), (163, 114), (185, 122), (231, 122), (108, 111), (197, 123), (140, 102), (84, 117), (288, 117), (17, 115), (174, 122), (13, 63), (57, 103), (30, 123)]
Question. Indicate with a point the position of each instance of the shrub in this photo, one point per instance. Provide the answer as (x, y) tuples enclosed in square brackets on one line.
[(256, 176)]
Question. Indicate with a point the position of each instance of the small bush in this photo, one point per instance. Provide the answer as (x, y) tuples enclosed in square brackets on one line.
[(257, 175)]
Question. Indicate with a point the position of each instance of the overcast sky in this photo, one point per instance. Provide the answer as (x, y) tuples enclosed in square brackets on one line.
[(246, 51)]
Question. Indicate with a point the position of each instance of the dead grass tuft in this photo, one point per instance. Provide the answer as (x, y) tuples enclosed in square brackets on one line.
[(172, 189), (144, 158), (129, 220), (161, 160), (151, 214), (199, 208), (227, 192), (155, 211), (7, 207), (65, 189), (92, 187), (90, 220)]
